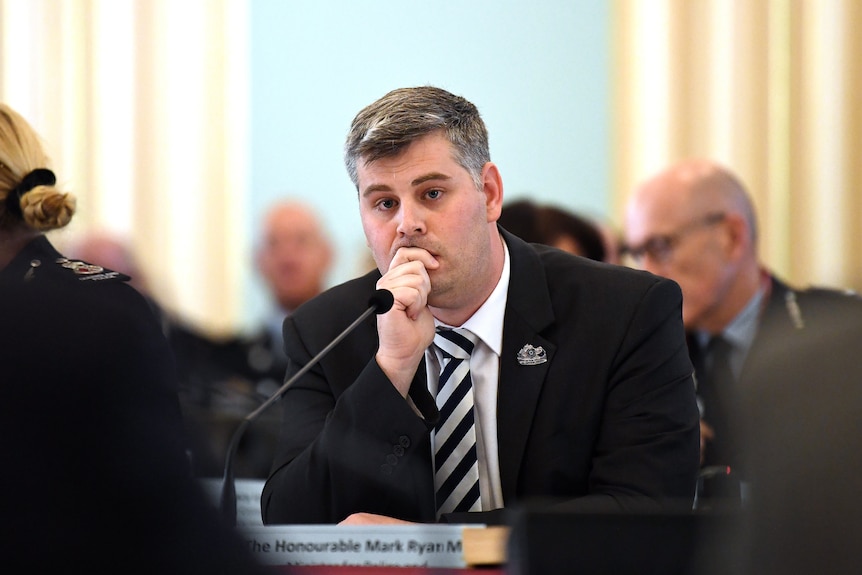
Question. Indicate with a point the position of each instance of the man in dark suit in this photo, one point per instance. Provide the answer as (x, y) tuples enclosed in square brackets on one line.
[(581, 385), (694, 223)]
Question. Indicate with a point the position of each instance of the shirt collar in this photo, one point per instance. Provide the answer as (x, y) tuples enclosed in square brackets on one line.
[(742, 328), (740, 332)]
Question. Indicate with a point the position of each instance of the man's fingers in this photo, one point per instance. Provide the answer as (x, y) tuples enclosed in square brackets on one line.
[(372, 519), (407, 255), (409, 283)]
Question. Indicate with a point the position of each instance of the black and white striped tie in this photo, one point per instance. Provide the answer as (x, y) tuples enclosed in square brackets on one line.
[(456, 467)]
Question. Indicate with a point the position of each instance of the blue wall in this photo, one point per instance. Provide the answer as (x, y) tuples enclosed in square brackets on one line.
[(538, 71)]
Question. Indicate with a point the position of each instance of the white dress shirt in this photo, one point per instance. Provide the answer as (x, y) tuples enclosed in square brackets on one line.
[(487, 324)]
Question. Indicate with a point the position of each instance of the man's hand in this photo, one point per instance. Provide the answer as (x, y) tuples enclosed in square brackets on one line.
[(407, 329), (372, 519)]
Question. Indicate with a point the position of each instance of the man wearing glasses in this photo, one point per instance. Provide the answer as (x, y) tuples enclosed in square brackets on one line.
[(695, 224)]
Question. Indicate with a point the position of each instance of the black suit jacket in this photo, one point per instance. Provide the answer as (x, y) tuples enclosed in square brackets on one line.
[(95, 473), (608, 422)]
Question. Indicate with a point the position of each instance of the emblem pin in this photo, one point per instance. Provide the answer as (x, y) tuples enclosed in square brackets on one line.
[(530, 355)]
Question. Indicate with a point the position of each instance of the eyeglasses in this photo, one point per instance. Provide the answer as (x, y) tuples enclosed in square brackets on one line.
[(660, 247)]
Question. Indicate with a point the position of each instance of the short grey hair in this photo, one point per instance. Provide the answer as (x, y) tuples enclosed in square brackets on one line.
[(386, 127)]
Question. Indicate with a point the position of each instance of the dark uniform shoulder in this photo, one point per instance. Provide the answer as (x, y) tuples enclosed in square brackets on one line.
[(54, 288), (829, 297), (828, 292), (39, 263), (823, 305)]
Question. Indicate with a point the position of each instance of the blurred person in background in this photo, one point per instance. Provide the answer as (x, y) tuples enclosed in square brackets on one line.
[(223, 379), (293, 257), (96, 474), (694, 223), (198, 356), (113, 251), (613, 242), (554, 226)]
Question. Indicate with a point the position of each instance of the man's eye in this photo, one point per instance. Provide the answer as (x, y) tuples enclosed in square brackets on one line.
[(658, 246), (433, 194), (386, 204)]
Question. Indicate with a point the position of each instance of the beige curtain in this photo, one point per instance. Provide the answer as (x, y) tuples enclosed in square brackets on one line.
[(771, 88), (143, 106)]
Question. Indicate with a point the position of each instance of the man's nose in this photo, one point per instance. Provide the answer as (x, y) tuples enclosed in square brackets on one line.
[(412, 220)]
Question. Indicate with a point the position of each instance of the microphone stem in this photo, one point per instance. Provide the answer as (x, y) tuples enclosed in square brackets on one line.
[(276, 396), (228, 498)]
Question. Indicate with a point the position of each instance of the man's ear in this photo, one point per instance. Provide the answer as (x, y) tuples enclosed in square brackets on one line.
[(492, 187), (738, 235)]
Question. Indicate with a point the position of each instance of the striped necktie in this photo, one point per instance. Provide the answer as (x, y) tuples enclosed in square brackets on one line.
[(456, 467)]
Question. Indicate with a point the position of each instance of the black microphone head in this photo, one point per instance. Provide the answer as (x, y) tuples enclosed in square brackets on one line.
[(381, 300)]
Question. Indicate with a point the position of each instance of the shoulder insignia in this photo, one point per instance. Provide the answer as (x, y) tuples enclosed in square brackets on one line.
[(79, 267), (793, 309), (90, 272)]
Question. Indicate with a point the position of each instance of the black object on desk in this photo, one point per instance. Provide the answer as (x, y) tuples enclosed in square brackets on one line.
[(548, 542)]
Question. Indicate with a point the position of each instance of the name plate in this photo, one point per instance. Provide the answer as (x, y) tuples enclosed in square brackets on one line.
[(415, 545), (425, 545)]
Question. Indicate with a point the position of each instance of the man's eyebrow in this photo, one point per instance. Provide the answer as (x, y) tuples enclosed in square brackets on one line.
[(416, 182), (428, 177), (376, 188)]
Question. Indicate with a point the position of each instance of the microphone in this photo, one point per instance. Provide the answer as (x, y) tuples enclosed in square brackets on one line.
[(380, 302)]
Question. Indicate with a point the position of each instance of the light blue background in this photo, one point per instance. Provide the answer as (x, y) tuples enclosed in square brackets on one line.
[(538, 72)]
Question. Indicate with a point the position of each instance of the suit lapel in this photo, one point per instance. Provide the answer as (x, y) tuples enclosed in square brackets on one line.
[(528, 312)]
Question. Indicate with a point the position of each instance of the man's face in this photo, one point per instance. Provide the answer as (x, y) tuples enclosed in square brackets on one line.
[(424, 198), (672, 236), (294, 257)]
